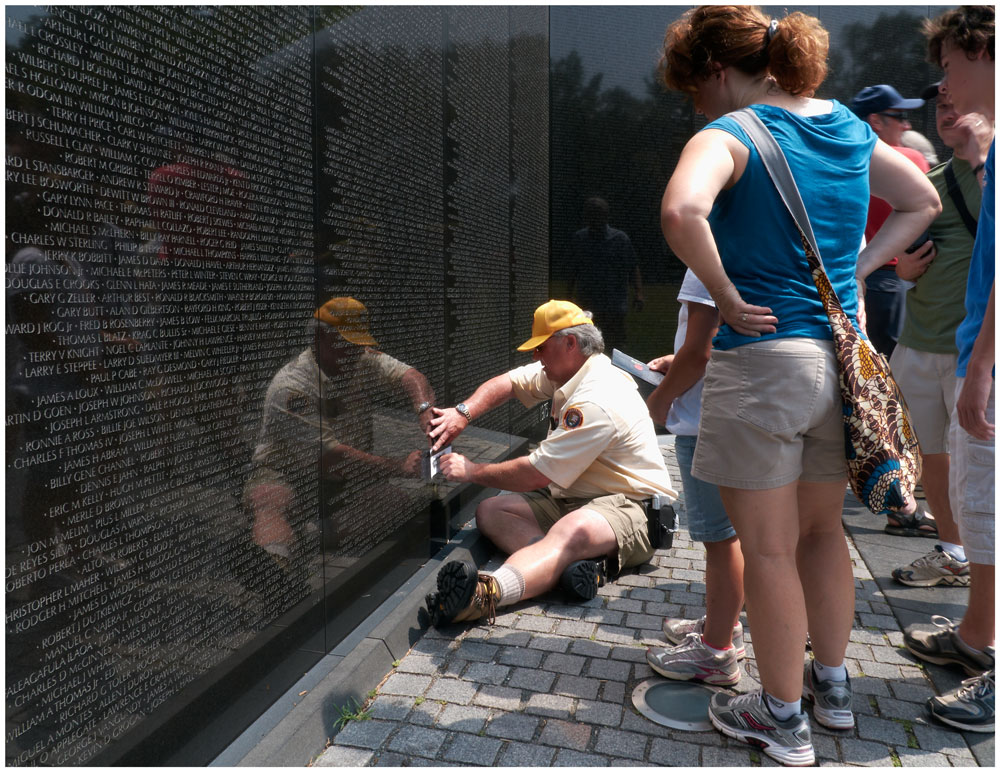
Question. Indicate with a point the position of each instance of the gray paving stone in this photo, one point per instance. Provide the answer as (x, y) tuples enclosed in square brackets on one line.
[(629, 653), (649, 594), (432, 646), (521, 657), (469, 749), (564, 663), (338, 756), (826, 747), (614, 634), (576, 686), (634, 580), (549, 643), (484, 673), (462, 718), (570, 758), (625, 604), (513, 726), (892, 655), (405, 684), (594, 649), (603, 616), (452, 690), (685, 598), (910, 692), (510, 638), (865, 753), (614, 742), (418, 741), (890, 732), (537, 624), (611, 670), (670, 753), (644, 622), (566, 612), (498, 697), (424, 714), (575, 629), (565, 734), (865, 685), (909, 711), (528, 678), (477, 652), (879, 621), (940, 740), (550, 705), (364, 734), (736, 755), (862, 651), (390, 707), (882, 670), (664, 610), (420, 664), (522, 755), (910, 757), (613, 691), (602, 713)]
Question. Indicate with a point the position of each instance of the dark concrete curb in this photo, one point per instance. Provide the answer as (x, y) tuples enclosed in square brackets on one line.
[(296, 728)]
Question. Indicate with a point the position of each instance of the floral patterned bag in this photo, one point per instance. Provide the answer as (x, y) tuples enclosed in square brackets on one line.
[(883, 459)]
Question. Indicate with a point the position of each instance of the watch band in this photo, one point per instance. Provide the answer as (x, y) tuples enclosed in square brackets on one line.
[(462, 408)]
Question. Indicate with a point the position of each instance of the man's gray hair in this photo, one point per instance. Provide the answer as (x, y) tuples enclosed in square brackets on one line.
[(588, 337)]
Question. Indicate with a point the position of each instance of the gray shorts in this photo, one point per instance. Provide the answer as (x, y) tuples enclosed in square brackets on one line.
[(771, 414), (626, 517), (927, 381), (972, 485)]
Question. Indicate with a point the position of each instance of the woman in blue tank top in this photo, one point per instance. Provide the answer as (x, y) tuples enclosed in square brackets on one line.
[(771, 433)]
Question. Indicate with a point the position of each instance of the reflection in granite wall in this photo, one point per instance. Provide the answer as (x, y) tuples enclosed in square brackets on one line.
[(192, 467), (617, 135)]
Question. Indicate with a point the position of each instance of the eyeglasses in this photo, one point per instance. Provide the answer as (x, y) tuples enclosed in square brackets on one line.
[(897, 116)]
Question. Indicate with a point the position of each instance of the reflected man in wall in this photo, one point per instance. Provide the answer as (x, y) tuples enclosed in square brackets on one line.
[(578, 496), (604, 268), (321, 405)]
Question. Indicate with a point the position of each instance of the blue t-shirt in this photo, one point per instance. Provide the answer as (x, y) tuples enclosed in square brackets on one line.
[(982, 269), (761, 250)]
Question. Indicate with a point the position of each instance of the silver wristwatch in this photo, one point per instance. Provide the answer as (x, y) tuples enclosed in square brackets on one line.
[(462, 408)]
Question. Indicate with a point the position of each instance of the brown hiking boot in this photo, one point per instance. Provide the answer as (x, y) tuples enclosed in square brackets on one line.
[(464, 595)]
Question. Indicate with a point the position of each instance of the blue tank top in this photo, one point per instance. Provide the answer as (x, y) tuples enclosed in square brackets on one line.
[(760, 246)]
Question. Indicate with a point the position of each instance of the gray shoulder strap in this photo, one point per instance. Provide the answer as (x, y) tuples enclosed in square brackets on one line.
[(777, 168)]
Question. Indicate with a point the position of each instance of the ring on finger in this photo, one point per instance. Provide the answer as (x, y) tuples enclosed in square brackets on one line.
[(743, 317)]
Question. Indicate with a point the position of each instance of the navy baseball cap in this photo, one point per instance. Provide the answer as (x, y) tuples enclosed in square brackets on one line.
[(875, 99)]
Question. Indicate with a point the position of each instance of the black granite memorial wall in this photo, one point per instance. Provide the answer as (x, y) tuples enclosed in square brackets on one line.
[(202, 489)]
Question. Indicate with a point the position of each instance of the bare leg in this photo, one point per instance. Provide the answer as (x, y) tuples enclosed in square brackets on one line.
[(723, 590), (825, 570), (935, 482), (508, 522), (768, 526), (578, 535), (977, 627)]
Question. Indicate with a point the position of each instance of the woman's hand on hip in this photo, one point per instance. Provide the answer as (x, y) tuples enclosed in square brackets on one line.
[(746, 319)]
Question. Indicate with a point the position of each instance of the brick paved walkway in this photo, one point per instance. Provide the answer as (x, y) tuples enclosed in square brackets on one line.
[(550, 684)]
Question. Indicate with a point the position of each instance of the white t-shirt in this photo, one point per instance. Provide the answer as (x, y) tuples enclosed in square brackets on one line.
[(685, 412)]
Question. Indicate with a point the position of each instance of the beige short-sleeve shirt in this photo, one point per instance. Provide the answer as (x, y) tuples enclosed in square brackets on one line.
[(601, 439)]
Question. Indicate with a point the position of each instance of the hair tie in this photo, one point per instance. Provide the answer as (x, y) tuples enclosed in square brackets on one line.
[(771, 30)]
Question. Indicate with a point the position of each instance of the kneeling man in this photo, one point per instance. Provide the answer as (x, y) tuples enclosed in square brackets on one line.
[(580, 495)]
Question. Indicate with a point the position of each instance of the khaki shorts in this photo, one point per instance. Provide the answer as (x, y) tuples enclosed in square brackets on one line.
[(927, 381), (626, 517), (771, 414), (972, 486)]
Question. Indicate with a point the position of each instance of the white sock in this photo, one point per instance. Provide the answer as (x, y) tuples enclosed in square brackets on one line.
[(827, 673), (782, 710), (511, 585), (957, 551), (713, 649)]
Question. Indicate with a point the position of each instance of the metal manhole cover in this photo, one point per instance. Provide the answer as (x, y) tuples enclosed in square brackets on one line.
[(676, 704)]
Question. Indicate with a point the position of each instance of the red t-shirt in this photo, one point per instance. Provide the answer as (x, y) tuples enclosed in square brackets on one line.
[(879, 210)]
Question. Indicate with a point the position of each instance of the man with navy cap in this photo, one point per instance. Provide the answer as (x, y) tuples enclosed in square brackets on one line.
[(884, 109)]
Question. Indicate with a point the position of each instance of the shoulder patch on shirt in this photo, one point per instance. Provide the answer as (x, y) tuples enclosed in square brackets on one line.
[(573, 418), (297, 402)]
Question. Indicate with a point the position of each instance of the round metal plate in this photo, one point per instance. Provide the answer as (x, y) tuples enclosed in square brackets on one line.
[(676, 704)]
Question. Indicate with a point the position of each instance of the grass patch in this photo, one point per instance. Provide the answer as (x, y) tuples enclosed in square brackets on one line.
[(353, 711), (895, 758)]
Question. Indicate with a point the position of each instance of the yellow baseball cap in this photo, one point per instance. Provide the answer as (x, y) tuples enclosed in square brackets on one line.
[(551, 317), (349, 317)]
